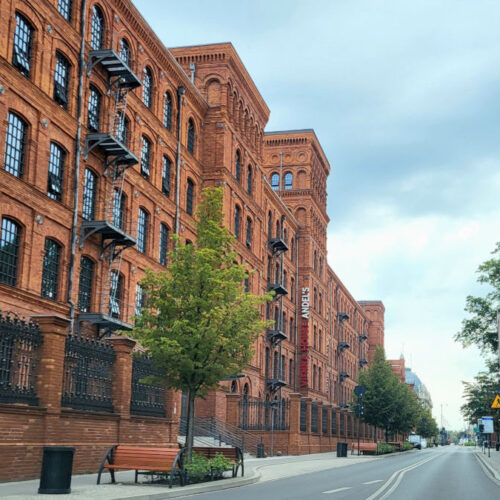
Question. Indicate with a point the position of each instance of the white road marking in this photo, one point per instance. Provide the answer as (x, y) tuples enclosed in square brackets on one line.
[(338, 489), (374, 481)]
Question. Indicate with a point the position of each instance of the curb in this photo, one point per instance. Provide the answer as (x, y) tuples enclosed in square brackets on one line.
[(197, 489), (482, 460)]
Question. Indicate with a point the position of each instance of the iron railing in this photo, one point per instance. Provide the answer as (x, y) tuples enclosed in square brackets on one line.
[(147, 399), (314, 417), (20, 343), (87, 377), (257, 414), (303, 415)]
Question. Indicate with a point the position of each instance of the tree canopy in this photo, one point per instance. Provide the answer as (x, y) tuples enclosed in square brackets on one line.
[(479, 395)]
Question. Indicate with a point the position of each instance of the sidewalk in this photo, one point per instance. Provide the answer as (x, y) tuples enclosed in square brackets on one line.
[(492, 463), (256, 469)]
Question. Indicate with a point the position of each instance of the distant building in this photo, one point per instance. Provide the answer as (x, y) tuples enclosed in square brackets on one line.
[(398, 367), (421, 391)]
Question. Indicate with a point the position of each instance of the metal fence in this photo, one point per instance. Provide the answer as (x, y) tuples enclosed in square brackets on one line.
[(20, 343), (257, 414), (148, 398), (87, 377), (314, 417), (303, 415)]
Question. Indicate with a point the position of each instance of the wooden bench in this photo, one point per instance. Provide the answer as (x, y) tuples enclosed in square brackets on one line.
[(397, 444), (364, 447), (142, 459), (232, 453)]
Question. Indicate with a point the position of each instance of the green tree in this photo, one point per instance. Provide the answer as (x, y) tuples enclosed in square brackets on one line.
[(479, 395), (480, 328), (406, 410), (426, 424), (198, 323)]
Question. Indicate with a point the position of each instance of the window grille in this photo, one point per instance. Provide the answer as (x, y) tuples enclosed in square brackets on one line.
[(23, 42), (146, 399), (237, 221), (238, 166), (288, 180), (65, 8), (314, 417), (324, 420), (61, 80), (190, 143), (115, 298), (85, 286), (118, 209), (163, 244), (125, 51), (94, 109), (97, 29), (15, 145), (189, 197), (139, 299), (249, 233), (275, 181), (167, 111), (56, 172), (147, 88), (334, 422), (165, 179), (249, 180), (303, 415), (50, 271), (9, 251), (142, 230), (89, 195), (145, 157)]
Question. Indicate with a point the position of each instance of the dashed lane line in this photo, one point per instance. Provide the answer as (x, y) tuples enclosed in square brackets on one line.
[(338, 489), (374, 481)]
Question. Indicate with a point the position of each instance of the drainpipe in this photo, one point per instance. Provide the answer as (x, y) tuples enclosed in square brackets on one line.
[(180, 92), (297, 288), (78, 153)]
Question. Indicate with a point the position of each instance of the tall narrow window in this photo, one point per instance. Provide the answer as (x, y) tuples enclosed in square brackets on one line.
[(275, 181), (85, 286), (56, 172), (266, 363), (15, 145), (163, 244), (9, 251), (190, 142), (115, 294), (23, 42), (145, 157), (290, 371), (94, 109), (125, 51), (97, 29), (165, 178), (288, 180), (118, 209), (89, 195), (65, 8), (189, 197), (238, 166), (139, 299), (142, 230), (237, 218), (50, 271), (246, 285), (167, 111), (147, 87), (61, 80), (269, 225), (249, 233), (122, 129), (249, 179)]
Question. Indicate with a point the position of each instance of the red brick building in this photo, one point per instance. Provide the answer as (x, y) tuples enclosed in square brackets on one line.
[(108, 138)]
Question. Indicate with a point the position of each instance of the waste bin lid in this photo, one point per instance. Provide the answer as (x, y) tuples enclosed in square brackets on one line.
[(58, 448)]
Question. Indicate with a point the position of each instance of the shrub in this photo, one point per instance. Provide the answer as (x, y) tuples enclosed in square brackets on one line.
[(384, 448), (220, 463), (407, 446), (470, 443), (199, 464)]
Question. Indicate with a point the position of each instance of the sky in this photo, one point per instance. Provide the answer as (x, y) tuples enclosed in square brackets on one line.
[(404, 97)]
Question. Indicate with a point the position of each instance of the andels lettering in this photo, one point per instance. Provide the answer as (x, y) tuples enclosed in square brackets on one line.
[(305, 302), (304, 338)]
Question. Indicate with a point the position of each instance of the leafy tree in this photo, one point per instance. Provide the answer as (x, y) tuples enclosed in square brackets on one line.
[(407, 409), (198, 323), (480, 327), (426, 424)]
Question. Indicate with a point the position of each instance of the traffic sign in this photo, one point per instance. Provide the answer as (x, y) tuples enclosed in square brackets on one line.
[(496, 402), (487, 422)]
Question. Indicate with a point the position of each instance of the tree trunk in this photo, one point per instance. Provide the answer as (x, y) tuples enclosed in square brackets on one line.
[(190, 427)]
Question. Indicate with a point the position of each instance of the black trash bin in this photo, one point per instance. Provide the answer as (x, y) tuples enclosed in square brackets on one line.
[(341, 449), (260, 451), (57, 465)]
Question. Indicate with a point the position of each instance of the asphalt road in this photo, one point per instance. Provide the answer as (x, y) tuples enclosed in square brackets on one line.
[(449, 472)]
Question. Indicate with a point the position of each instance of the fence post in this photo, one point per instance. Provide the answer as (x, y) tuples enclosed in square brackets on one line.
[(294, 425), (233, 409), (122, 374)]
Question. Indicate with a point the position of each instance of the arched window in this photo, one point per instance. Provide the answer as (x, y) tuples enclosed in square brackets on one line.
[(315, 298), (94, 109), (315, 377), (321, 303), (315, 337), (23, 43), (191, 134), (288, 180), (266, 363), (291, 327), (65, 8), (142, 230), (275, 181), (145, 157), (321, 266), (234, 387), (315, 261), (269, 225), (189, 197), (125, 51), (277, 274), (163, 244), (292, 289), (115, 294), (237, 217), (118, 209), (276, 365), (56, 172), (85, 285), (249, 232), (15, 145), (61, 80), (50, 271), (89, 195), (167, 111), (166, 173), (290, 372), (122, 131), (238, 166), (97, 28), (139, 299), (320, 341), (320, 374), (147, 87), (278, 229), (249, 179), (9, 251), (292, 248)]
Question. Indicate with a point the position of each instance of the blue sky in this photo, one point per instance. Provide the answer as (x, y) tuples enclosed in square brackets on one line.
[(404, 97)]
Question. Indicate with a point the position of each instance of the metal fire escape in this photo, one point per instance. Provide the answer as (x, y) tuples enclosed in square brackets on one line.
[(110, 223)]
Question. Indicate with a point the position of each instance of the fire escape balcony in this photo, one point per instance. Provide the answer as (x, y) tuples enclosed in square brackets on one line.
[(278, 289), (104, 321), (273, 384), (114, 149), (343, 376), (362, 363), (277, 246), (117, 69), (276, 336)]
